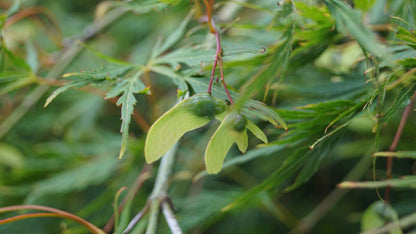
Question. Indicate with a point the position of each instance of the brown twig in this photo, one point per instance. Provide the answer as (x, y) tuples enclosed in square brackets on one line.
[(396, 140), (54, 213)]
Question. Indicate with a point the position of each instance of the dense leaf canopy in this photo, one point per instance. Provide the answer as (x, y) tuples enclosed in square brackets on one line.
[(308, 121)]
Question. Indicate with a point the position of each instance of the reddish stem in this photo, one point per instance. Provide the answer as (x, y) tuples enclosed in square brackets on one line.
[(218, 51), (395, 142), (55, 213), (217, 57), (223, 82)]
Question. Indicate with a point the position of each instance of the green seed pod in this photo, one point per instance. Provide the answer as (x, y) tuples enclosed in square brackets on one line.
[(239, 122), (219, 106), (203, 105)]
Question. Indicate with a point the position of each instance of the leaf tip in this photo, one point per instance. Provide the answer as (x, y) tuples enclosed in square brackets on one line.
[(47, 102), (345, 185), (122, 150), (227, 208)]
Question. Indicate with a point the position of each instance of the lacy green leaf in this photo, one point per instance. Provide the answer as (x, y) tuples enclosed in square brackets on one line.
[(127, 101)]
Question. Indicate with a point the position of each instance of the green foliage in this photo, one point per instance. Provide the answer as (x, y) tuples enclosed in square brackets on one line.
[(376, 215), (170, 127), (317, 87)]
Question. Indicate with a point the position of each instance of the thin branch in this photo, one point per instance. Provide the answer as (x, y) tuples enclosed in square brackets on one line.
[(143, 176), (94, 229), (137, 218), (170, 218), (217, 56), (159, 192), (218, 60), (55, 213), (396, 140), (223, 81)]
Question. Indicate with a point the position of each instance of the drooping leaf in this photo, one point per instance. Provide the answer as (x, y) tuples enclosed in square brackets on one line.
[(69, 85), (127, 100)]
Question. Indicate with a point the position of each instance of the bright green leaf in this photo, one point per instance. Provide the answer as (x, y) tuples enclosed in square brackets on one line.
[(169, 128), (376, 215), (241, 140), (127, 102), (220, 143), (256, 131)]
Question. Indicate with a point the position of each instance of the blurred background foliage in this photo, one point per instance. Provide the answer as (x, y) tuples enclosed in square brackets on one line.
[(340, 74)]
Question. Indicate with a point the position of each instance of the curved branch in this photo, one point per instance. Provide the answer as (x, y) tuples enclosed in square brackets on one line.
[(54, 213)]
